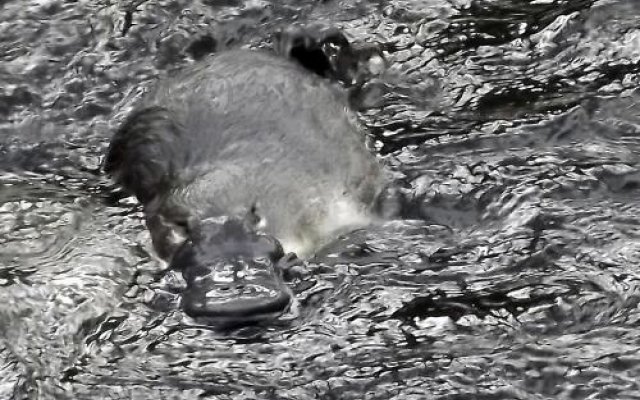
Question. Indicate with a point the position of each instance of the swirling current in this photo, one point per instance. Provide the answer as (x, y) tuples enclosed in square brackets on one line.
[(515, 124)]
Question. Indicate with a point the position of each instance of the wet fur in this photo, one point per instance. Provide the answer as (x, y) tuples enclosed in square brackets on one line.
[(246, 134)]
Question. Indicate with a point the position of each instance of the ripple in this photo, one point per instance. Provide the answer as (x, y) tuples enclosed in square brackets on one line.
[(512, 127)]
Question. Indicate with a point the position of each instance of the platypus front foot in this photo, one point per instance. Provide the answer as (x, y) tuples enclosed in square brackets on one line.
[(327, 52)]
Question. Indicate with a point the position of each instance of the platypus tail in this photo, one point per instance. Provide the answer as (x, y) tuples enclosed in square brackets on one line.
[(141, 155)]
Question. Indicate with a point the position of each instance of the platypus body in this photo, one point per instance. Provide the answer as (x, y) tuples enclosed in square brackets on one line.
[(234, 159)]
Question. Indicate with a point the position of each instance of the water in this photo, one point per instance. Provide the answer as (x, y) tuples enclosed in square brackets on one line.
[(514, 124)]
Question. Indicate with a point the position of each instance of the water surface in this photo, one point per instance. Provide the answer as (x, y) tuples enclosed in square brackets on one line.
[(513, 123)]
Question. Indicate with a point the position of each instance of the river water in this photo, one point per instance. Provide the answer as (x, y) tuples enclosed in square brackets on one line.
[(514, 124)]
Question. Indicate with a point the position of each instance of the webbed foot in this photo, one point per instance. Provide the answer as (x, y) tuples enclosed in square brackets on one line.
[(328, 53)]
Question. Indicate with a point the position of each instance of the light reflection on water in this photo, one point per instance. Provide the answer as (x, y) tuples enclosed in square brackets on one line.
[(514, 123)]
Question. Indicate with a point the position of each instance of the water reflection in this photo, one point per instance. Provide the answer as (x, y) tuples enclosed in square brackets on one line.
[(513, 125)]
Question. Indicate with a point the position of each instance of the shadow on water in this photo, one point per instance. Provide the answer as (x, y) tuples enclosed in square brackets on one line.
[(513, 125)]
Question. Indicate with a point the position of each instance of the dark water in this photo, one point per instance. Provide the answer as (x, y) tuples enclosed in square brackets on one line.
[(515, 123)]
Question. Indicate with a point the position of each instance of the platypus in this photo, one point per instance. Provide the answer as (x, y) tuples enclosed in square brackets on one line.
[(238, 159)]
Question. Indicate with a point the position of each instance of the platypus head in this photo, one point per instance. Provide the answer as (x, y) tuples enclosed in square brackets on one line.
[(231, 273)]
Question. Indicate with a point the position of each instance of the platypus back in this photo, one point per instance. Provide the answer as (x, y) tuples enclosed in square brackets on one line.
[(245, 133)]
